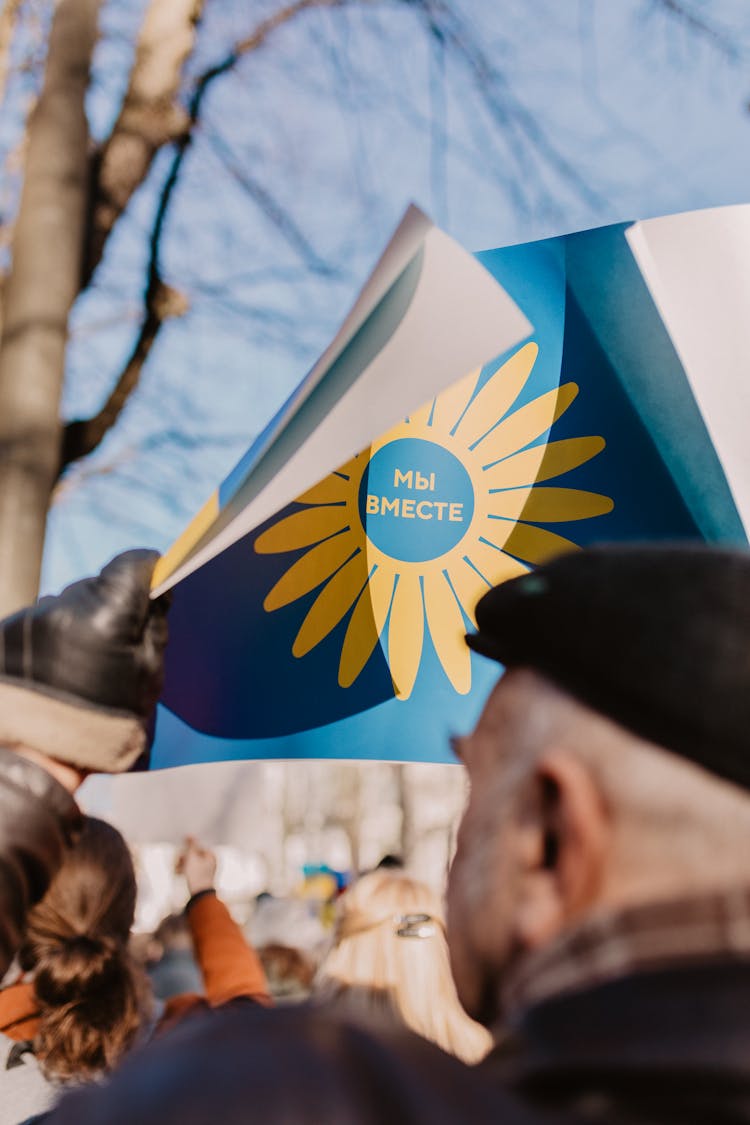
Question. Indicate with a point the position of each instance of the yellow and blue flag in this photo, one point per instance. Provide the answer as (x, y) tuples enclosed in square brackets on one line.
[(335, 628)]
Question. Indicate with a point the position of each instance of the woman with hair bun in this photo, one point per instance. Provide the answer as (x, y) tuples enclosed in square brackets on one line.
[(84, 1001), (389, 964)]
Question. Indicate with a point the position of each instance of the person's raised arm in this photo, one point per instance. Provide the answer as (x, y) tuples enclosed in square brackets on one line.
[(230, 966)]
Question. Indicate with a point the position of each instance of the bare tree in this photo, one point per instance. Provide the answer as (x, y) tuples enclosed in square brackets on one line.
[(77, 194), (70, 202)]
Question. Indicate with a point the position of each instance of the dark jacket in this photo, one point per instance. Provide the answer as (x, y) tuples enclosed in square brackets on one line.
[(294, 1065), (38, 821), (651, 1048)]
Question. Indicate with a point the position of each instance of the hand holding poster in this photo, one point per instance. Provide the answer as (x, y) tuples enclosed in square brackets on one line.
[(333, 626)]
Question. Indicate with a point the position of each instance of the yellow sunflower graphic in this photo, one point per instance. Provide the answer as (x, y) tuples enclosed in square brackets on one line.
[(408, 535)]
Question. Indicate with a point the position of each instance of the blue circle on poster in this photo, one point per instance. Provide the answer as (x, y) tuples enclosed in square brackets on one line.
[(416, 500)]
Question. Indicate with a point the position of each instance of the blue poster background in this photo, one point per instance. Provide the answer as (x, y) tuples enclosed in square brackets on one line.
[(234, 688)]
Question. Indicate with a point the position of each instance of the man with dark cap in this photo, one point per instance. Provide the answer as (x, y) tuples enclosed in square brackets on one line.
[(80, 675), (599, 901)]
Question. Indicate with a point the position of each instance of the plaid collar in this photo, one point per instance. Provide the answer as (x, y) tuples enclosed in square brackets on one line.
[(608, 945)]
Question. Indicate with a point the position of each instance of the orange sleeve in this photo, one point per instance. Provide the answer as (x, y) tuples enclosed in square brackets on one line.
[(19, 1011), (229, 965)]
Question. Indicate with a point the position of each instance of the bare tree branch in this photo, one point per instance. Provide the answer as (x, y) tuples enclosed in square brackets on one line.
[(717, 35), (446, 30), (149, 118), (82, 436), (516, 120), (272, 209), (258, 37), (172, 437)]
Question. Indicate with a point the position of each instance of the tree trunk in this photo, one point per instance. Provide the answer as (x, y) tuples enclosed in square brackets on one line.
[(39, 292)]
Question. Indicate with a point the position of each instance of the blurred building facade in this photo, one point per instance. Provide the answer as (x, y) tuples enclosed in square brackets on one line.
[(268, 820)]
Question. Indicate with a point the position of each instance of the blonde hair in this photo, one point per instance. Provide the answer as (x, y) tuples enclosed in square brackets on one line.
[(390, 961)]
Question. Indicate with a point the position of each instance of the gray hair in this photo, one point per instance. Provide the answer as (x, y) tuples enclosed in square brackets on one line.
[(675, 825)]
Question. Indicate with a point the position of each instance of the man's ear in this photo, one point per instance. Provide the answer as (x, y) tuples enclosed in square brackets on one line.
[(564, 845)]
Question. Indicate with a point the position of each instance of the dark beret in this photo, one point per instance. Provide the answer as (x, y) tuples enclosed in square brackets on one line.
[(656, 638)]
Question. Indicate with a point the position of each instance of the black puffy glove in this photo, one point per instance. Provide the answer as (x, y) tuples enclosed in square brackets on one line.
[(80, 673)]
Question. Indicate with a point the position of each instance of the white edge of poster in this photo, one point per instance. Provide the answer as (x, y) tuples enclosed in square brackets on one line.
[(697, 268), (460, 318), (405, 243)]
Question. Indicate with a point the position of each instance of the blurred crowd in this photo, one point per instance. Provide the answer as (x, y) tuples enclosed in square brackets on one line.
[(590, 963), (85, 989)]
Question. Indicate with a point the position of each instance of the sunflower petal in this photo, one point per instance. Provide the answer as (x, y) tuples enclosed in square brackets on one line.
[(542, 462), (536, 544), (333, 489), (473, 576), (447, 629), (302, 529), (498, 394), (406, 633), (421, 416), (349, 469), (469, 586), (317, 564), (493, 563), (365, 625), (450, 404), (332, 604), (549, 505), (527, 423)]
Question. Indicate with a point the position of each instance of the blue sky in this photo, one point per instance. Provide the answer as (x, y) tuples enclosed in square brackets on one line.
[(559, 116)]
